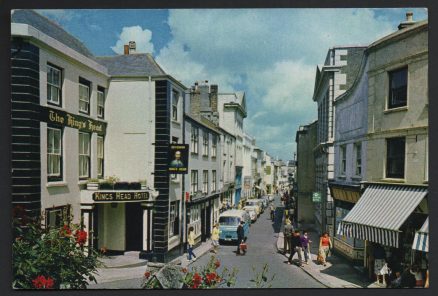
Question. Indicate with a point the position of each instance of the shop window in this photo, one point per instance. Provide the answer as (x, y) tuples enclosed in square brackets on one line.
[(194, 140), (358, 148), (100, 102), (84, 96), (398, 88), (54, 154), (84, 155), (175, 99), (343, 151), (205, 182), (395, 157), (194, 182), (54, 83), (100, 156), (205, 143)]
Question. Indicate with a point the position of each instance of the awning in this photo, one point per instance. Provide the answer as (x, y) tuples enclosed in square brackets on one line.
[(421, 240), (380, 212)]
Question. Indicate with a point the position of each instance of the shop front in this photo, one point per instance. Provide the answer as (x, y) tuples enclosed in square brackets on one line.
[(386, 217), (202, 213), (118, 220)]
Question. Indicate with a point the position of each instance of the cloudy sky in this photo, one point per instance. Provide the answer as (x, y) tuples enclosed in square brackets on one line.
[(271, 54)]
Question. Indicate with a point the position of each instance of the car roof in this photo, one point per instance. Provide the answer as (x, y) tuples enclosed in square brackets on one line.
[(232, 213)]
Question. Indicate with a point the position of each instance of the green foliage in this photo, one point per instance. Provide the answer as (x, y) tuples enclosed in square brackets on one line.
[(57, 253), (261, 279)]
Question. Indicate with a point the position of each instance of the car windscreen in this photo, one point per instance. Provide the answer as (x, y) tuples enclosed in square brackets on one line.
[(229, 220), (251, 203)]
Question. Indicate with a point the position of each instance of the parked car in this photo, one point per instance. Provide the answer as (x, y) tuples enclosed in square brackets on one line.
[(261, 204), (265, 200), (228, 222), (252, 212), (255, 203)]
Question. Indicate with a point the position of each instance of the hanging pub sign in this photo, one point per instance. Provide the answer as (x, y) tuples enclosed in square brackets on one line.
[(178, 159), (59, 117)]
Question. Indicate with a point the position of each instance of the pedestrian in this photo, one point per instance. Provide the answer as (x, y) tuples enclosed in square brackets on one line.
[(396, 283), (272, 211), (305, 244), (407, 278), (215, 237), (288, 232), (325, 245), (380, 264), (240, 237), (191, 243), (296, 248)]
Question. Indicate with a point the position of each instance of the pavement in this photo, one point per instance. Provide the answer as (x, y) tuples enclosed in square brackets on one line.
[(338, 272)]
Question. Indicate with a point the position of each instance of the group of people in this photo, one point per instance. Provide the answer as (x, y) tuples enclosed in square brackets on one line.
[(299, 243)]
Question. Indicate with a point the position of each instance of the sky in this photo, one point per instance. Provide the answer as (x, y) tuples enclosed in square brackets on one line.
[(271, 54)]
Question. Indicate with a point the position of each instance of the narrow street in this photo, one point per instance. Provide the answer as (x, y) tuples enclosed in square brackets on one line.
[(261, 250)]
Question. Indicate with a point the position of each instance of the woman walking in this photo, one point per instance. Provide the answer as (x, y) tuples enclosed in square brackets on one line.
[(215, 237), (305, 243), (191, 243), (325, 245)]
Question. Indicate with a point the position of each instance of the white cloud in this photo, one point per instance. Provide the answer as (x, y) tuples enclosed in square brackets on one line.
[(141, 37)]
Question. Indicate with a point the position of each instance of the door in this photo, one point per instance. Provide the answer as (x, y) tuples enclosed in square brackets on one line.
[(203, 222), (134, 226), (208, 221)]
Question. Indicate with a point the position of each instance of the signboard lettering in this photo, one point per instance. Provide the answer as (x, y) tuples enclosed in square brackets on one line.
[(120, 196), (178, 159), (316, 197)]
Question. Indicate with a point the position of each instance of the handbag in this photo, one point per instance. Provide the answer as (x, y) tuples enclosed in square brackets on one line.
[(243, 246)]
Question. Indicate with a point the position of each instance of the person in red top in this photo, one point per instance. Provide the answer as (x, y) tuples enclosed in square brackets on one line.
[(325, 244)]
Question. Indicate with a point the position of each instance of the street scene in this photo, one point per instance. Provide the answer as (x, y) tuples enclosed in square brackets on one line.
[(220, 148)]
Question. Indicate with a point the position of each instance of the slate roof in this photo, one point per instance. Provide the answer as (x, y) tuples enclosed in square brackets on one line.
[(48, 27), (137, 64)]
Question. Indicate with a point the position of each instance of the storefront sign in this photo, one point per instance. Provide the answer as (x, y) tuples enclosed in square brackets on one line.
[(178, 159), (58, 117), (316, 197), (120, 196)]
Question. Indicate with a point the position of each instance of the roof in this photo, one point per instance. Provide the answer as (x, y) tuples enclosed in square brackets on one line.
[(137, 64), (228, 213), (203, 122), (50, 28)]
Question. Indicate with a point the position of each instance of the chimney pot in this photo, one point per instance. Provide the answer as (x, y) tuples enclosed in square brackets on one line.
[(409, 16), (132, 46)]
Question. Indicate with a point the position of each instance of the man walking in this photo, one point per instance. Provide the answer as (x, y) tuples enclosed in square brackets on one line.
[(240, 237), (296, 248), (288, 231), (305, 244)]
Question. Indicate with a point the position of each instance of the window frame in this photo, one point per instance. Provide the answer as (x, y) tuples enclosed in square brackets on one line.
[(194, 140), (86, 84), (59, 88), (389, 160), (393, 105), (213, 180), (87, 156), (194, 182), (205, 181), (175, 102), (358, 159), (174, 177), (343, 160), (55, 177), (100, 160), (100, 90), (213, 146), (174, 219), (205, 143)]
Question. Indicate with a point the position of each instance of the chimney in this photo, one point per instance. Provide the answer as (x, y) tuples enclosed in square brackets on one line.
[(408, 22), (132, 47), (126, 49)]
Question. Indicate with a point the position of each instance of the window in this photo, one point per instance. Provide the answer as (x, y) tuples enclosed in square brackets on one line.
[(173, 219), (84, 96), (213, 181), (174, 176), (54, 154), (194, 214), (343, 159), (395, 157), (205, 143), (100, 146), (194, 180), (214, 146), (54, 78), (84, 155), (100, 102), (205, 180), (194, 140), (398, 88), (57, 216), (358, 148), (175, 98)]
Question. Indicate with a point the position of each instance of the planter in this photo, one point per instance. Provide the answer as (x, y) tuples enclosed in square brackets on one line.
[(92, 186)]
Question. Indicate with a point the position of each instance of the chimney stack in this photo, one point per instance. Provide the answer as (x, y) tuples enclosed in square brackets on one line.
[(132, 47), (408, 22), (126, 49)]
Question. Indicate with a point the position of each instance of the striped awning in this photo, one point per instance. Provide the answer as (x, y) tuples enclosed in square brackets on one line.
[(380, 212), (421, 240)]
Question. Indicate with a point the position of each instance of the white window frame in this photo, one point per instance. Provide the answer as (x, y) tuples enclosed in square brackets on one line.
[(84, 99), (193, 182), (205, 145), (54, 88), (343, 160), (172, 217), (194, 140), (100, 156), (213, 180), (54, 153), (175, 101), (100, 104), (213, 146), (358, 161), (84, 156), (205, 181)]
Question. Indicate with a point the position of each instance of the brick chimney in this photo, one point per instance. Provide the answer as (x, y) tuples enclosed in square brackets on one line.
[(125, 49), (408, 22)]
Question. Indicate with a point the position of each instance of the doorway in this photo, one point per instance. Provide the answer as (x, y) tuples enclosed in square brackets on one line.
[(134, 226)]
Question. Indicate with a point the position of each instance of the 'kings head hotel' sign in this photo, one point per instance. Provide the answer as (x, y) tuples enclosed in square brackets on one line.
[(63, 118), (120, 196)]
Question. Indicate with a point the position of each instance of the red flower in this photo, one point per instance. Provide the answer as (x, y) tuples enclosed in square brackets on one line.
[(147, 274), (210, 278), (41, 282), (81, 237), (217, 263), (65, 231), (196, 281)]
